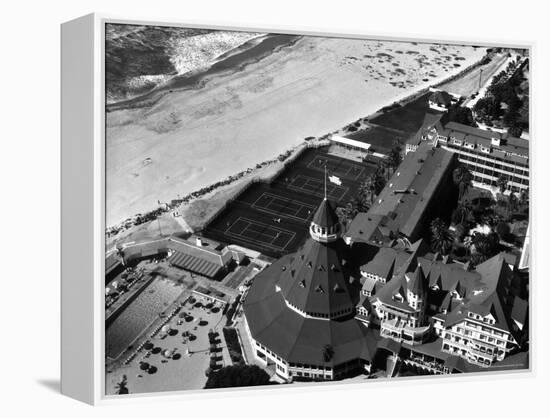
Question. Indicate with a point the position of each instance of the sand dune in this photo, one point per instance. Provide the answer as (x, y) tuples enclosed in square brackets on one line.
[(193, 138)]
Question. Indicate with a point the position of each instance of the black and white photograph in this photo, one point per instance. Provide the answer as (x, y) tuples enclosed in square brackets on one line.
[(293, 209), (275, 209)]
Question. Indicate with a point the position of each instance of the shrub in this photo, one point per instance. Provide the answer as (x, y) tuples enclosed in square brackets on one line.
[(233, 345), (502, 229), (235, 376)]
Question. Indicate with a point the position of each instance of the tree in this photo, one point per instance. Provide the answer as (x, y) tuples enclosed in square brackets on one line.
[(511, 204), (487, 245), (461, 115), (371, 186), (463, 179), (515, 130), (487, 109), (442, 240), (393, 159), (477, 258), (328, 353), (236, 376), (503, 230), (461, 214), (121, 387), (358, 203), (502, 183), (524, 197)]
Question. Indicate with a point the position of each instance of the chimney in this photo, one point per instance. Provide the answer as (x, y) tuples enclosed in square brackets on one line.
[(199, 242)]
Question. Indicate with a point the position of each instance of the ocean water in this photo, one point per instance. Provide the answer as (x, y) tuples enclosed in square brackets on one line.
[(140, 58)]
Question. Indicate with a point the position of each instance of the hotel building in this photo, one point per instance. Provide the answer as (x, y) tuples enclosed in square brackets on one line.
[(487, 154), (300, 311)]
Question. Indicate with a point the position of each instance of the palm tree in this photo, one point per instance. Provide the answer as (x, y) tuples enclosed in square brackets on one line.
[(502, 183), (442, 240), (367, 189), (460, 214), (512, 204), (122, 386), (486, 245), (394, 158), (463, 179), (524, 197)]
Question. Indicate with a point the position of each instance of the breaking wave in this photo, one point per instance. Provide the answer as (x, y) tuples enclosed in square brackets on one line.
[(141, 58)]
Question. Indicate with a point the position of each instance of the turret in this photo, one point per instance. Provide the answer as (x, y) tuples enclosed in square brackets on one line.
[(417, 289), (325, 226)]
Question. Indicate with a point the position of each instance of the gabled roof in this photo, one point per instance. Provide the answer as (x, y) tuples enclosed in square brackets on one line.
[(486, 291), (369, 284), (478, 136), (325, 215), (400, 207)]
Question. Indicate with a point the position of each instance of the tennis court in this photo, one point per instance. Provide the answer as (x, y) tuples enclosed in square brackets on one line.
[(316, 187), (273, 217), (260, 234), (281, 206), (336, 166)]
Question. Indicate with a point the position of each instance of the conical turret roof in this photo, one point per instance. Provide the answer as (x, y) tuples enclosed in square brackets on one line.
[(316, 279), (326, 215), (417, 284)]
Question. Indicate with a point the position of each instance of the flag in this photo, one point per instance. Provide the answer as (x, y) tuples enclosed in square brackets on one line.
[(335, 180)]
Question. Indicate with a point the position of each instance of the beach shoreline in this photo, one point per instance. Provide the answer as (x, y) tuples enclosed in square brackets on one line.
[(236, 59), (355, 111)]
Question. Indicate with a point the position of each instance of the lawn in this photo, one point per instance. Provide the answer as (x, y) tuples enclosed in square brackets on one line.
[(407, 118)]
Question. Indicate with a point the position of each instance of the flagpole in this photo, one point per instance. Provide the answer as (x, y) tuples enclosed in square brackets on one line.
[(325, 181)]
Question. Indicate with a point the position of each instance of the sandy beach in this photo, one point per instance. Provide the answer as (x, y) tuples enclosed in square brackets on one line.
[(194, 137)]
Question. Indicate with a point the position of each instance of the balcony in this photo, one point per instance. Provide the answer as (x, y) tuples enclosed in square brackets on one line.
[(400, 327)]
